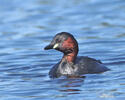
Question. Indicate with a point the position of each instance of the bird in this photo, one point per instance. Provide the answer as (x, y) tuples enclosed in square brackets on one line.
[(72, 65)]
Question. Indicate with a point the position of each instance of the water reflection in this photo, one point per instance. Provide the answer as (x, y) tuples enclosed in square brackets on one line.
[(70, 85)]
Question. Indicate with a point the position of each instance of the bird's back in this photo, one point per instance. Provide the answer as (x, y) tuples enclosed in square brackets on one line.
[(88, 65)]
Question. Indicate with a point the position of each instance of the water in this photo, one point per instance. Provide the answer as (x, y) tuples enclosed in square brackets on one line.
[(26, 27)]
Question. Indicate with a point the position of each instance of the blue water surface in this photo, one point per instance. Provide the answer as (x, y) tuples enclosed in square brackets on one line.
[(27, 26)]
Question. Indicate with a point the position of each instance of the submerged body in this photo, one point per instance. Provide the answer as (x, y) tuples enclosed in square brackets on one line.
[(82, 65), (71, 65)]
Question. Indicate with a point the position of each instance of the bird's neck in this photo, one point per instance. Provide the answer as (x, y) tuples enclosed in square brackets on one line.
[(70, 57)]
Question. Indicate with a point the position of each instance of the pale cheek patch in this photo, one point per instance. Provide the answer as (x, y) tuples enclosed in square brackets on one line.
[(55, 46)]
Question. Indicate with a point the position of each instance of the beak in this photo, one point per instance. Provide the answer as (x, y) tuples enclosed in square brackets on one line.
[(50, 46)]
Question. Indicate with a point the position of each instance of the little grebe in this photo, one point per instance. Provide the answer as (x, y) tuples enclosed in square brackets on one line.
[(71, 65)]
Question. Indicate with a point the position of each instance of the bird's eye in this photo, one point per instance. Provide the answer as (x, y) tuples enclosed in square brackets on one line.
[(58, 41)]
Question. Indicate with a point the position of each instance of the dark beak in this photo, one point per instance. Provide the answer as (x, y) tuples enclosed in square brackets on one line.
[(50, 46)]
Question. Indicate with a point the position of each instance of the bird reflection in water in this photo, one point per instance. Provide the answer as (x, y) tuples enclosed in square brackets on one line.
[(71, 85)]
